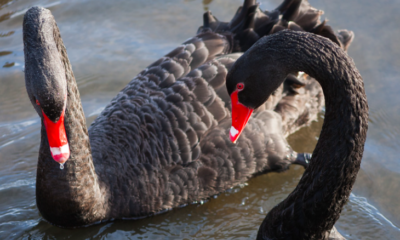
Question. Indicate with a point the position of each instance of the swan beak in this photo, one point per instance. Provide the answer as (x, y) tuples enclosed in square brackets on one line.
[(240, 117), (57, 138)]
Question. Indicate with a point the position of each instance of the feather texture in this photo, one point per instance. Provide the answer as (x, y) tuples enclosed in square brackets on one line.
[(163, 141)]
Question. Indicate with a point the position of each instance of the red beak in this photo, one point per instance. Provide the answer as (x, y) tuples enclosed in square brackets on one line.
[(240, 116), (57, 138)]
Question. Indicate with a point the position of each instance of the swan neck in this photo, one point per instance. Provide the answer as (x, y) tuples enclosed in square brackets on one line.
[(73, 191), (315, 204)]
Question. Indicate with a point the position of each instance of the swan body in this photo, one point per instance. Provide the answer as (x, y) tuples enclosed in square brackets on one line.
[(162, 141), (311, 210)]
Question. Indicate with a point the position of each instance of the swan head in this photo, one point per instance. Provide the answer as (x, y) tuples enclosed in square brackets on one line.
[(250, 82), (45, 77)]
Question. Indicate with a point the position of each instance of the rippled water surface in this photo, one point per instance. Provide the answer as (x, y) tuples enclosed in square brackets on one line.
[(109, 42)]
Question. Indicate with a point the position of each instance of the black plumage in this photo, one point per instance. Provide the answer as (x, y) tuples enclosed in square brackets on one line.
[(250, 23), (314, 206), (162, 142)]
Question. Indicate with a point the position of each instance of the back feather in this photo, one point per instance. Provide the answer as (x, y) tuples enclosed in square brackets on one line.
[(166, 132)]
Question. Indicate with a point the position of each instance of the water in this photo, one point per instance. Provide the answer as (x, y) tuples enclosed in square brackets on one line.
[(109, 42)]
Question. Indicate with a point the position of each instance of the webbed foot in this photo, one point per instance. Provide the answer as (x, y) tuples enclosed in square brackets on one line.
[(303, 159)]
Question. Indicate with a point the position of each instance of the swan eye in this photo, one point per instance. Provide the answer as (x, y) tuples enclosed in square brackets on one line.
[(37, 102), (240, 86)]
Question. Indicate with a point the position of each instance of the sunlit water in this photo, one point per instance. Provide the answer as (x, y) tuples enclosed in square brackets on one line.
[(109, 42)]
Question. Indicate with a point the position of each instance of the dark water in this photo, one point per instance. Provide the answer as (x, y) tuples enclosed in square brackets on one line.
[(109, 42)]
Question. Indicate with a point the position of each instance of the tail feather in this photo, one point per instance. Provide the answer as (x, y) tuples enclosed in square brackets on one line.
[(345, 37), (242, 14), (326, 31), (301, 12), (250, 23)]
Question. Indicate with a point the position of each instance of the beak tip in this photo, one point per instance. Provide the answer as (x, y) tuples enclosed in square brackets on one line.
[(60, 154), (233, 134), (61, 158)]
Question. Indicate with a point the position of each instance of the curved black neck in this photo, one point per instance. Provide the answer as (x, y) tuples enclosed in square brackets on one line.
[(311, 210), (73, 192)]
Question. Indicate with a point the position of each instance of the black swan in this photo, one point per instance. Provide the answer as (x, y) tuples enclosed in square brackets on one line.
[(161, 142), (312, 209)]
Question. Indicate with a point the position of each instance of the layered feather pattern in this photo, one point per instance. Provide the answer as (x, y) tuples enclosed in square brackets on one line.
[(163, 141)]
